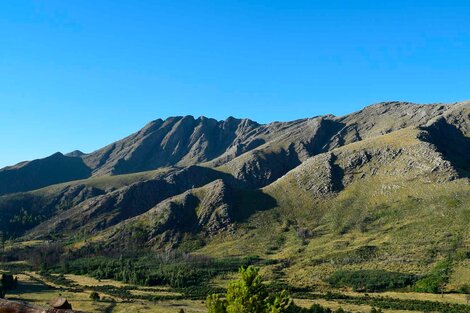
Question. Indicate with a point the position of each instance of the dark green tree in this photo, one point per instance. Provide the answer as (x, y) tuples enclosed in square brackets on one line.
[(7, 283), (249, 295), (2, 241)]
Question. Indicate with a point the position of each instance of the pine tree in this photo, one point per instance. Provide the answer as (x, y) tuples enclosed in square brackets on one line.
[(249, 295)]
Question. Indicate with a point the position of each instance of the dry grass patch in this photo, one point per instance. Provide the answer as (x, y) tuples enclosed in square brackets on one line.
[(90, 281), (161, 307)]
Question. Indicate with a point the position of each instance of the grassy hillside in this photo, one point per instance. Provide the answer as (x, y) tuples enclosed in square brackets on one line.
[(388, 214)]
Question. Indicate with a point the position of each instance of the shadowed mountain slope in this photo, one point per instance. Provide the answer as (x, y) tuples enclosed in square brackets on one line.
[(116, 205), (40, 173)]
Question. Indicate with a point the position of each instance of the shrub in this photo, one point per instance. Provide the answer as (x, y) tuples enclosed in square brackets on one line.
[(464, 289), (316, 308), (7, 283), (434, 282), (95, 296)]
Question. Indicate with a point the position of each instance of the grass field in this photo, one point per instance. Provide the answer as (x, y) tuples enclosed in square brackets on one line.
[(36, 289)]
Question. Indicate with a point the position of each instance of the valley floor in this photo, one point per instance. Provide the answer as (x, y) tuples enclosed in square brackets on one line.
[(40, 289)]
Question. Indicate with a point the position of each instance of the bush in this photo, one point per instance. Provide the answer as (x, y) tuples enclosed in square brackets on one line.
[(95, 296), (434, 282), (464, 289), (316, 308), (7, 283)]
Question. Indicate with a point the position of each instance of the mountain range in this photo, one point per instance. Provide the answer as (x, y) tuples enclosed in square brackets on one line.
[(385, 187)]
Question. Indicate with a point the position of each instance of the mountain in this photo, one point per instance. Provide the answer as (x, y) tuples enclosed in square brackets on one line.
[(54, 169), (178, 141), (379, 188)]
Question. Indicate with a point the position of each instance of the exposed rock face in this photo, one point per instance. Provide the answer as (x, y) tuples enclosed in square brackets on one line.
[(60, 303), (295, 143), (386, 117), (215, 211), (449, 135), (403, 155), (319, 175), (177, 141)]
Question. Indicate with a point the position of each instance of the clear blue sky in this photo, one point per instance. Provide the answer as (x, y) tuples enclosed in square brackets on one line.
[(81, 74)]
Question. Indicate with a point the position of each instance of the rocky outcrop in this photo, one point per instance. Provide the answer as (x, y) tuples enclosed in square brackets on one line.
[(402, 155), (301, 140), (450, 135), (319, 176), (386, 117), (7, 306), (216, 208)]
